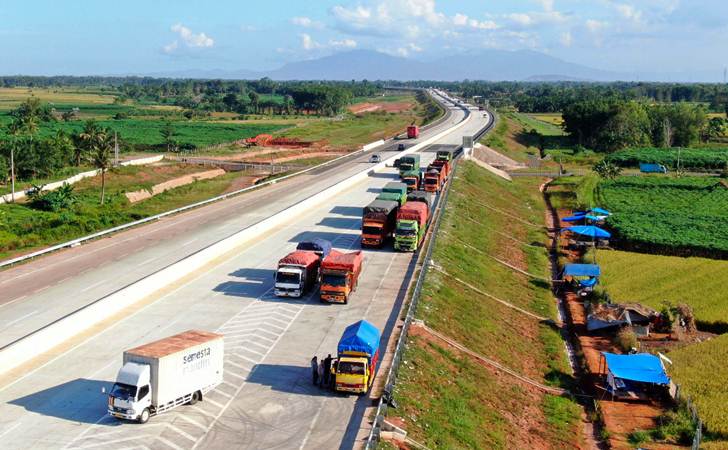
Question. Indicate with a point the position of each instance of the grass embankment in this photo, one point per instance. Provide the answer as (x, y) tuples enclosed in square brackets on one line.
[(519, 137), (449, 400), (23, 228)]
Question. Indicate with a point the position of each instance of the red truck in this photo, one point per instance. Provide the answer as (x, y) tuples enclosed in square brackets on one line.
[(297, 273), (378, 220), (413, 132), (340, 275)]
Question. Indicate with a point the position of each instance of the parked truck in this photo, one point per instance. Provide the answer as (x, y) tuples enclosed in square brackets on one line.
[(340, 275), (442, 166), (409, 162), (434, 179), (321, 247), (411, 226), (444, 155), (378, 221), (412, 178), (164, 374), (297, 274), (357, 358), (421, 196), (413, 132)]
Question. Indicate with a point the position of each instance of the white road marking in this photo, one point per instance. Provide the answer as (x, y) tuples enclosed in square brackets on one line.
[(147, 261), (11, 323), (9, 429), (14, 300), (182, 432), (381, 283), (190, 421), (126, 439), (184, 244), (313, 424), (209, 400), (93, 285), (168, 443)]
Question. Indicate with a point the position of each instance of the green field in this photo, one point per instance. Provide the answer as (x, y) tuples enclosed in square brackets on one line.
[(448, 400), (701, 370), (656, 214), (652, 279), (690, 158)]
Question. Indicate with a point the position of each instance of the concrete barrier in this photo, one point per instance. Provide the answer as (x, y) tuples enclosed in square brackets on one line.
[(78, 177), (44, 339), (371, 145)]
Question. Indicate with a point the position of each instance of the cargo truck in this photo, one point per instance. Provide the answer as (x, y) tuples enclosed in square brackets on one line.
[(164, 374), (340, 275), (412, 178), (378, 221), (409, 162), (297, 273), (444, 155), (397, 190), (413, 132), (434, 179), (421, 196), (321, 247), (357, 358), (411, 226)]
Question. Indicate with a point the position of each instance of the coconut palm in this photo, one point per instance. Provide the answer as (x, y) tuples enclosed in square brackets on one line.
[(101, 156)]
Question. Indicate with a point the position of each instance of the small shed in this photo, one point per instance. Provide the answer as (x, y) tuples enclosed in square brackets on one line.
[(583, 277), (603, 316), (633, 376)]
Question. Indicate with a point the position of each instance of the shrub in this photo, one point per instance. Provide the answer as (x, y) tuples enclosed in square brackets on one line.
[(626, 339)]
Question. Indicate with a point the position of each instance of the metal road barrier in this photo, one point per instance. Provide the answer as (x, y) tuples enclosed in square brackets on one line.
[(81, 240), (387, 395)]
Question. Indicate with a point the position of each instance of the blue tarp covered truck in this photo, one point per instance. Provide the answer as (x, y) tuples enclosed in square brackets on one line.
[(358, 358)]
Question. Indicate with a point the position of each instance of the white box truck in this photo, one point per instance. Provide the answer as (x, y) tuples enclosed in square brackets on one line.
[(162, 375)]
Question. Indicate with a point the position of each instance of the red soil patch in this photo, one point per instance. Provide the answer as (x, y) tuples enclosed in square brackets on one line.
[(393, 107)]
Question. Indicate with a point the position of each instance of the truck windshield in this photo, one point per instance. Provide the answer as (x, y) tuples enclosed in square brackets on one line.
[(333, 280), (372, 230), (351, 368), (430, 180), (123, 391), (286, 277), (405, 231), (410, 181)]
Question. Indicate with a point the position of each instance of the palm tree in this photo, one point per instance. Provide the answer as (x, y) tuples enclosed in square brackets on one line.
[(101, 156), (87, 140)]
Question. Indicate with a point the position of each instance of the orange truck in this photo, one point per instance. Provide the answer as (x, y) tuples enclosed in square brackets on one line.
[(434, 179), (340, 275)]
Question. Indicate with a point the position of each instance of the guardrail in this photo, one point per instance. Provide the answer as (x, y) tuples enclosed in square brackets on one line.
[(390, 382), (42, 340), (81, 240)]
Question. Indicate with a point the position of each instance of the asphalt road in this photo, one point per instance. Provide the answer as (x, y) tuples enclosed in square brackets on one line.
[(267, 400), (35, 294)]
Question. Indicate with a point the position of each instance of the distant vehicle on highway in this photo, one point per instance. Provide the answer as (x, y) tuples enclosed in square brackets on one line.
[(401, 147), (375, 159), (167, 373)]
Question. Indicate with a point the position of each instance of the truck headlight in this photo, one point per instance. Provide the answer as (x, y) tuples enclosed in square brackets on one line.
[(132, 412)]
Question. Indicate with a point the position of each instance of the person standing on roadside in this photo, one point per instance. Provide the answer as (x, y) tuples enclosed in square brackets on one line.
[(327, 371), (315, 370), (321, 373)]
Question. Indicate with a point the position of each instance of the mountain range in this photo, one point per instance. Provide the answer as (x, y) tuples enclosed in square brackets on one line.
[(490, 65)]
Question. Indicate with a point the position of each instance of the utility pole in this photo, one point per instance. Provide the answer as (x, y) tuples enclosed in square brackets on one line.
[(12, 173)]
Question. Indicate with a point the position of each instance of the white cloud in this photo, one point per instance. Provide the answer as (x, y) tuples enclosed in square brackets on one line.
[(566, 39), (171, 47), (460, 19), (594, 25), (306, 22), (308, 43), (248, 28), (629, 12), (522, 19), (344, 43), (190, 39), (547, 5)]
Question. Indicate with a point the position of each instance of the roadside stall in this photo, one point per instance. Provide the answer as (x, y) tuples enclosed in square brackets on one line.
[(639, 376)]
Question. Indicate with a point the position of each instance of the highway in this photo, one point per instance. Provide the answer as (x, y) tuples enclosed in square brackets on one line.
[(35, 294), (267, 400)]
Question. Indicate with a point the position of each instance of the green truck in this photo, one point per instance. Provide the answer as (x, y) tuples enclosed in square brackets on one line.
[(411, 226), (412, 178), (444, 155), (409, 162), (394, 191)]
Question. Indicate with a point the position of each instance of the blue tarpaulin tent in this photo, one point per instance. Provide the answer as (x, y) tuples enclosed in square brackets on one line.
[(640, 367), (574, 218), (588, 230), (361, 337), (582, 270), (600, 211)]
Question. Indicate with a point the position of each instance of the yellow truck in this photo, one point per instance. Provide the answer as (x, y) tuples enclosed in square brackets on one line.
[(358, 358)]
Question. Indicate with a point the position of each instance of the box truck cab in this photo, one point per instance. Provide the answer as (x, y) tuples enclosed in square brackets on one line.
[(413, 132), (297, 274), (164, 374), (444, 155), (340, 275), (411, 225), (357, 358), (409, 162), (378, 221), (434, 179), (412, 178)]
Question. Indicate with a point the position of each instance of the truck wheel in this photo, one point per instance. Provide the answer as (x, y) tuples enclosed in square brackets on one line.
[(196, 397), (144, 416)]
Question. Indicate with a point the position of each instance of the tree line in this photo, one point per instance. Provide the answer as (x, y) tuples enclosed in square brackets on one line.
[(25, 155)]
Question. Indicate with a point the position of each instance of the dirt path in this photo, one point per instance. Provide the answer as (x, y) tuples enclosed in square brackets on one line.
[(620, 417), (496, 159)]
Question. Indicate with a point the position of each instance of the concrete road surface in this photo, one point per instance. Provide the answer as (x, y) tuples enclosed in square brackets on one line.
[(266, 400), (35, 294)]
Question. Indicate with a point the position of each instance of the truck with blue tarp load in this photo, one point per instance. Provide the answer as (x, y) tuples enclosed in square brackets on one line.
[(358, 358)]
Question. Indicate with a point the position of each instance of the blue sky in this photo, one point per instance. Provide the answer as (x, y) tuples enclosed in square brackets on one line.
[(132, 36)]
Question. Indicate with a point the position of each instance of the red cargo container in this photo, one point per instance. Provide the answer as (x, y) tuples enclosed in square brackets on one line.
[(299, 258), (339, 275), (413, 131), (413, 211)]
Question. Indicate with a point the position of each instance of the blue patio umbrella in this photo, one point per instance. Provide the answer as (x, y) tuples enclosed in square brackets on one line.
[(595, 218), (600, 211), (575, 218), (589, 230)]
